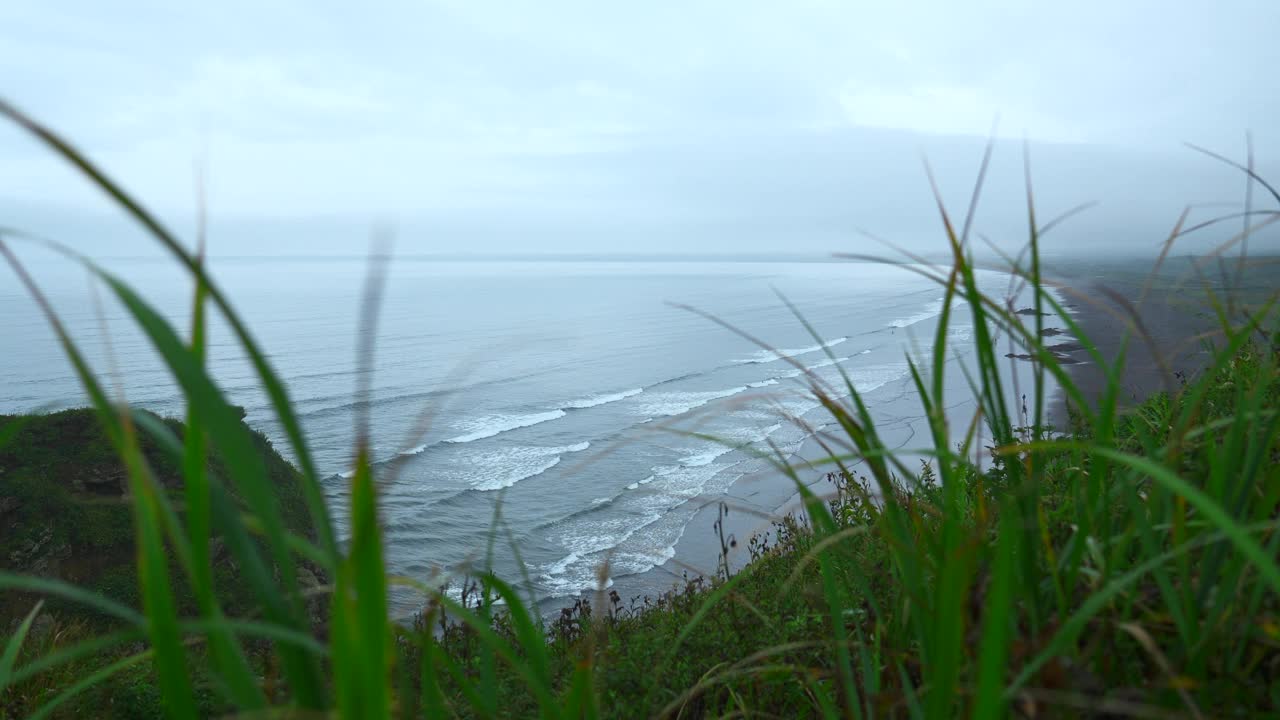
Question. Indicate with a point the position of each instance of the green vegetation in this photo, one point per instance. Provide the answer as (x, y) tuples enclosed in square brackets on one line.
[(65, 517), (1127, 568), (65, 514)]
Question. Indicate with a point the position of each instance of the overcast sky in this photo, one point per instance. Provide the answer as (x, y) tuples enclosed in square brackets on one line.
[(603, 127)]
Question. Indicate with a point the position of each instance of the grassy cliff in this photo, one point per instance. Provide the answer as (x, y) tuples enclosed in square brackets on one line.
[(66, 514)]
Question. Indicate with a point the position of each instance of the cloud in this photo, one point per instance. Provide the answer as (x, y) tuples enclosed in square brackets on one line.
[(564, 110), (256, 97), (949, 110)]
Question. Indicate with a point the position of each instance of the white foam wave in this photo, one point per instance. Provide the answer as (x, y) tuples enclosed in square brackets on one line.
[(768, 356), (932, 309), (678, 483), (640, 539), (868, 379), (706, 457), (730, 440), (799, 406), (507, 480), (763, 383), (416, 449), (654, 545), (816, 366), (503, 468), (827, 363), (558, 567), (753, 434), (642, 559), (596, 400), (585, 537), (678, 403), (491, 425), (646, 534)]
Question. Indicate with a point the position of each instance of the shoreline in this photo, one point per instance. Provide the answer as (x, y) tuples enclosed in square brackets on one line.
[(1159, 320), (756, 500), (1100, 297)]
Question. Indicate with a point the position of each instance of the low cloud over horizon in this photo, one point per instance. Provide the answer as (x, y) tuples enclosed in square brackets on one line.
[(570, 127)]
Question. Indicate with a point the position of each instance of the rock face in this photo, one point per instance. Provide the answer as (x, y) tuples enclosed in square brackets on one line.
[(41, 627), (310, 583), (22, 557), (102, 482), (28, 552), (39, 555), (307, 578)]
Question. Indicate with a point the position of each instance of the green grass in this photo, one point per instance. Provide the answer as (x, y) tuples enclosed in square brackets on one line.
[(1127, 568)]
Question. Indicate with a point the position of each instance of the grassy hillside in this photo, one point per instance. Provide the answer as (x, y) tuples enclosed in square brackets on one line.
[(1128, 569), (66, 515)]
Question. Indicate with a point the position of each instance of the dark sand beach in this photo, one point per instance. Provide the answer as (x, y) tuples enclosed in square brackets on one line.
[(1165, 320)]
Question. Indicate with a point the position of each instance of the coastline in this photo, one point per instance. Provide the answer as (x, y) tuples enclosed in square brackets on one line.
[(1161, 319), (1101, 298), (756, 500)]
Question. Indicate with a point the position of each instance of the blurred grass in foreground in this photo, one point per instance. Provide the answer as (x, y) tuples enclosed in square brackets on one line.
[(1125, 568)]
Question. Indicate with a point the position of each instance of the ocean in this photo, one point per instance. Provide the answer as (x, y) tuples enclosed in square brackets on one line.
[(567, 392)]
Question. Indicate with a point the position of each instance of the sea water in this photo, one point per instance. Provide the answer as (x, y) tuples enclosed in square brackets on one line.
[(576, 394)]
